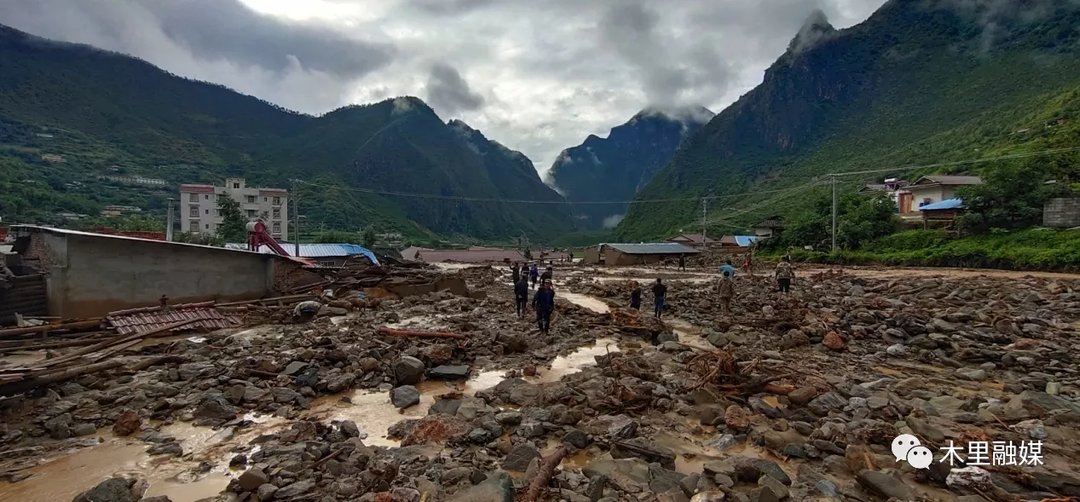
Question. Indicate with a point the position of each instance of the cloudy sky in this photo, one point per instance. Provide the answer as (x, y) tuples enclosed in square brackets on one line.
[(535, 75)]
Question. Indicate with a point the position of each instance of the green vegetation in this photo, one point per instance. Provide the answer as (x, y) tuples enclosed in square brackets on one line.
[(77, 124), (1013, 194), (233, 226), (1033, 249), (859, 219), (916, 84)]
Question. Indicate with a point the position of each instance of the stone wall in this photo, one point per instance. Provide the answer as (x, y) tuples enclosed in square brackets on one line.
[(1062, 213)]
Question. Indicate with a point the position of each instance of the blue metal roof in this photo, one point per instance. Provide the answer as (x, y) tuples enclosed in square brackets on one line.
[(945, 204), (318, 250), (745, 240), (654, 248)]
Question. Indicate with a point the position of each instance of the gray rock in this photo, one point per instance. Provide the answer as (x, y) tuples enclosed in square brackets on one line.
[(577, 438), (216, 406), (449, 372), (496, 488), (445, 407), (171, 448), (531, 429), (751, 470), (802, 395), (519, 457), (252, 479), (404, 396), (480, 436), (60, 426), (897, 350), (408, 370), (83, 429), (826, 402), (977, 375), (1032, 404), (298, 488), (349, 428), (884, 485), (510, 418), (778, 490), (925, 429), (826, 488), (266, 492), (294, 368), (629, 474), (284, 395), (622, 427), (110, 490)]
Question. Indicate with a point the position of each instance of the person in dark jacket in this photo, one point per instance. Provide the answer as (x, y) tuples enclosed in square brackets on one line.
[(534, 274), (515, 272), (521, 295), (682, 262), (548, 275), (659, 291), (635, 297), (544, 303)]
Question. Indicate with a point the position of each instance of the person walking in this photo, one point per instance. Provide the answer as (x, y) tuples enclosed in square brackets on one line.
[(659, 291), (727, 291), (748, 263), (682, 262), (635, 297), (784, 274), (515, 272), (544, 304), (534, 274), (727, 268), (548, 275), (521, 296)]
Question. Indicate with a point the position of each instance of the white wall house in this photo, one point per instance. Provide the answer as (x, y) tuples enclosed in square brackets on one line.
[(199, 206)]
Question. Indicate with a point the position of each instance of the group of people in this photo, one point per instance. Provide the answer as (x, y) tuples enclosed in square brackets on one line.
[(527, 277)]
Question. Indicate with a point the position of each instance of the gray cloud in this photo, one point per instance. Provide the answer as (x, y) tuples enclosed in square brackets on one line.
[(541, 75), (448, 93), (227, 29)]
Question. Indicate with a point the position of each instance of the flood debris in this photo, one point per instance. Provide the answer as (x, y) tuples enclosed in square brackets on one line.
[(790, 398)]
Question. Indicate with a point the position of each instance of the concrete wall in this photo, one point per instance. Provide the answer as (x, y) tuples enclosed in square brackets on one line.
[(1062, 213), (91, 275)]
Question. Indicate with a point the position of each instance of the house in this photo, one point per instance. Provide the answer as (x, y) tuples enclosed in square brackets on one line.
[(87, 274), (473, 254), (941, 214), (931, 189), (893, 187), (326, 255), (636, 254), (768, 227), (694, 240)]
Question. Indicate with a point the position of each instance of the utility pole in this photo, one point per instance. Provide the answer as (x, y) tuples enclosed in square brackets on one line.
[(169, 223), (834, 213), (704, 212), (296, 219)]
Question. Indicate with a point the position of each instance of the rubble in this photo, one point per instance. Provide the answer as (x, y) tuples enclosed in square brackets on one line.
[(790, 399)]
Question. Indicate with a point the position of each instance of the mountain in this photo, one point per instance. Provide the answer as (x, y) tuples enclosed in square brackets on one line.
[(919, 82), (72, 114), (616, 167)]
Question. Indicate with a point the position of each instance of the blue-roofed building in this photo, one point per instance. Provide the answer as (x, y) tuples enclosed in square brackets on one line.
[(941, 214), (327, 255), (643, 253)]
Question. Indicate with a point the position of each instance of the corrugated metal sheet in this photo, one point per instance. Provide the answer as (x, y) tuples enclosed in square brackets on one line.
[(146, 319), (316, 250), (654, 248), (945, 204), (745, 240)]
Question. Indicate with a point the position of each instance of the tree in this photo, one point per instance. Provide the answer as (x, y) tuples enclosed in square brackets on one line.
[(1011, 196), (233, 226), (369, 237), (859, 220)]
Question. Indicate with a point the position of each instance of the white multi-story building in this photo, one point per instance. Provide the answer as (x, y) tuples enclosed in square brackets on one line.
[(199, 207)]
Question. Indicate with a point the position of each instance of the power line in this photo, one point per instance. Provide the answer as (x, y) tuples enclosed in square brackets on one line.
[(395, 193)]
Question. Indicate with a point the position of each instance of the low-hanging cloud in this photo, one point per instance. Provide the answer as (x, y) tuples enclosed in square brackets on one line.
[(535, 76), (448, 93)]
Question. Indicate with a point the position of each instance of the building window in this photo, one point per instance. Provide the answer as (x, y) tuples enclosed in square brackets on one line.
[(251, 213), (236, 185), (277, 201), (194, 225), (206, 197), (208, 226), (277, 212), (194, 212), (277, 228), (193, 197), (251, 199), (207, 211)]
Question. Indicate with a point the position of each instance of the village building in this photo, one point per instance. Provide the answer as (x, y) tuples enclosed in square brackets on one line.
[(199, 207), (475, 254), (694, 240), (637, 254), (768, 227), (325, 255)]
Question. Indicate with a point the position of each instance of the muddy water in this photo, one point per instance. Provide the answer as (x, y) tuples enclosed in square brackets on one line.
[(373, 412), (590, 302), (689, 334)]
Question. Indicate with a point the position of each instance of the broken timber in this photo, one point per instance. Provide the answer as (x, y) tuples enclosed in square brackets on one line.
[(388, 331)]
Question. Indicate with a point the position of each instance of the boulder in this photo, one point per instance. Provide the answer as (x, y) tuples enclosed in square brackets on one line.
[(408, 370), (496, 488), (127, 423), (404, 396), (884, 485), (449, 372), (519, 457)]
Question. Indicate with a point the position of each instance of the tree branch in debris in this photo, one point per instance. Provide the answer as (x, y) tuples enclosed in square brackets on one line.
[(388, 331), (544, 474)]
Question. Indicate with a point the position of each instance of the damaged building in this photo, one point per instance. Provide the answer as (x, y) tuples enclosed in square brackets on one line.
[(70, 274)]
